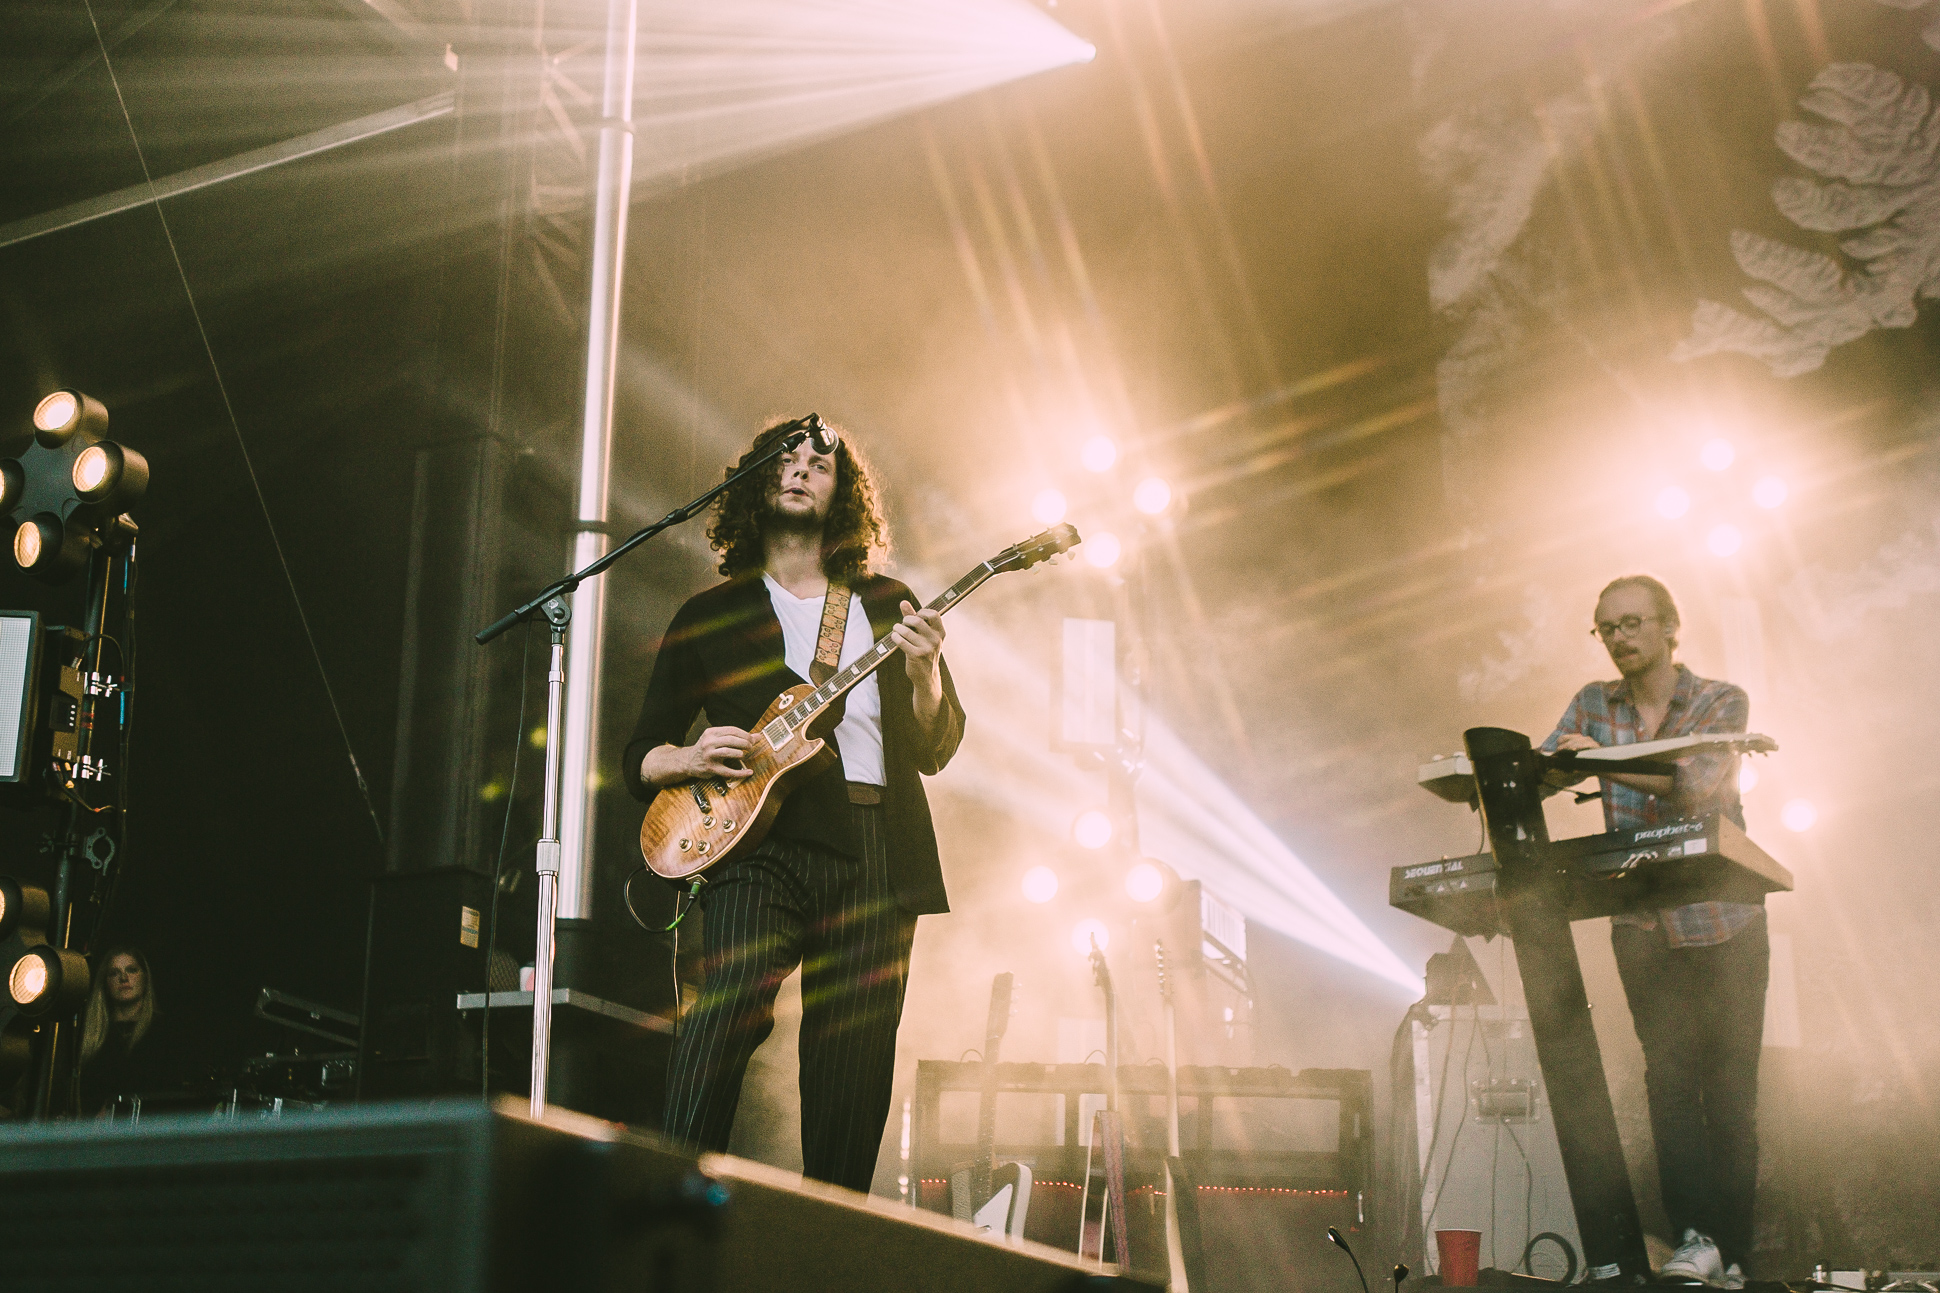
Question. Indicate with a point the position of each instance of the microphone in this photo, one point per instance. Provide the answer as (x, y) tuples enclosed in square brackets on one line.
[(825, 438), (1400, 1273), (1334, 1237)]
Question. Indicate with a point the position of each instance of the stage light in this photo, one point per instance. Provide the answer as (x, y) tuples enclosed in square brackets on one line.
[(1102, 549), (56, 411), (13, 484), (27, 543), (1144, 883), (59, 416), (1747, 779), (1724, 540), (1092, 829), (1717, 453), (1048, 507), (1672, 502), (48, 979), (1099, 453), (22, 906), (1152, 496), (1769, 492), (1040, 884), (110, 477), (47, 549), (1085, 931), (1799, 815)]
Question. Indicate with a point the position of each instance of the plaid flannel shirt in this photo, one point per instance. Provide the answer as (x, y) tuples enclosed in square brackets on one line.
[(1703, 784)]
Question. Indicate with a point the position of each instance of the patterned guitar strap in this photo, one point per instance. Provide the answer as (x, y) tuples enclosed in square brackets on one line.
[(835, 626), (828, 655)]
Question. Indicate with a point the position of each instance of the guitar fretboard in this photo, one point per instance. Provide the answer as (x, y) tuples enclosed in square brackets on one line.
[(805, 711)]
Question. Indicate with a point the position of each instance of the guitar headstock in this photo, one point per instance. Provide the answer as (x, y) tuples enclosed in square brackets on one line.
[(1056, 541), (999, 1021)]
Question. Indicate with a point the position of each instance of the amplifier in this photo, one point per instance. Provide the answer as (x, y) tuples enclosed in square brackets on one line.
[(1275, 1158), (424, 948)]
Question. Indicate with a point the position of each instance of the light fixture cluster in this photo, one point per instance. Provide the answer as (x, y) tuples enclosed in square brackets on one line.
[(1149, 884), (66, 487), (40, 978), (1151, 496), (1723, 537)]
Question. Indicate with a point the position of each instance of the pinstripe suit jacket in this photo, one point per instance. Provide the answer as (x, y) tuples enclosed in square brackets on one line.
[(722, 654)]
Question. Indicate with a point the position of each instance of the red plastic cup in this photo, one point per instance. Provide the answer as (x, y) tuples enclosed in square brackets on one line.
[(1461, 1254)]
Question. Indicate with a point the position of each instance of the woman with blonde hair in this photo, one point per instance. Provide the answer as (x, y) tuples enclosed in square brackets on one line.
[(122, 1052)]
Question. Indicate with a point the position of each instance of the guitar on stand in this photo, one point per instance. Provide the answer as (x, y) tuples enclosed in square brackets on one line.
[(990, 1196), (1107, 1140), (1183, 1253)]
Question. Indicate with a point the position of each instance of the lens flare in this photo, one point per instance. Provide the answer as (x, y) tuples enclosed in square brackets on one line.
[(1672, 502), (1152, 496), (1040, 884), (1048, 507), (1099, 453), (1769, 493), (1102, 550), (1144, 883), (1747, 779), (1799, 815), (1092, 829), (1724, 540), (1717, 453), (1085, 931)]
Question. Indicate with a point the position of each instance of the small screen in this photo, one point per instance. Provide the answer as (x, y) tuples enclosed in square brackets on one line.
[(16, 651)]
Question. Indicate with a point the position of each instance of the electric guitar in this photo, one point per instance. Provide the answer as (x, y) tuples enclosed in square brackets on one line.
[(992, 1197), (699, 824)]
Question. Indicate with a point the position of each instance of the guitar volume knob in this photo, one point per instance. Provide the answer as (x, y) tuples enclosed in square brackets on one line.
[(728, 825), (685, 845)]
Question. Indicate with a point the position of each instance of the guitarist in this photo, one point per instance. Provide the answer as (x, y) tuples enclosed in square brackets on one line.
[(851, 860)]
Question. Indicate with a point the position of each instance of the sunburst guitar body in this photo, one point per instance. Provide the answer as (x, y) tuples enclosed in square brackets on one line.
[(701, 824)]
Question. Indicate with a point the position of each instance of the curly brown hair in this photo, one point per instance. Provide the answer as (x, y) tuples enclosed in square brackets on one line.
[(855, 536)]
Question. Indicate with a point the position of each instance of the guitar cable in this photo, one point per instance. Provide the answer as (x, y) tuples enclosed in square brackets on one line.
[(681, 907)]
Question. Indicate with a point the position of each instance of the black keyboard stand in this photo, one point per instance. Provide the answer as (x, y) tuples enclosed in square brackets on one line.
[(1534, 897)]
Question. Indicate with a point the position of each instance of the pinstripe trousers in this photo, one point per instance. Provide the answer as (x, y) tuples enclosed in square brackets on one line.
[(786, 904)]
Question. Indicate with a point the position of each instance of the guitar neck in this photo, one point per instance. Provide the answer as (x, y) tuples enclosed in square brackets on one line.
[(872, 659)]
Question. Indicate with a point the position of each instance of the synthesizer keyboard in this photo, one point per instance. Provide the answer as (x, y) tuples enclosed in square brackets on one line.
[(1707, 859)]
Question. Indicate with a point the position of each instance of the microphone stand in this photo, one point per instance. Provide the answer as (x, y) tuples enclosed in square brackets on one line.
[(551, 604)]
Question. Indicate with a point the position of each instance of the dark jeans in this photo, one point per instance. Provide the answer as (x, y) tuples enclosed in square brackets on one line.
[(784, 905), (1700, 1014)]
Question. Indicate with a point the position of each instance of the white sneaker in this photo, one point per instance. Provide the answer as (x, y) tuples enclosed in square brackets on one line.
[(1696, 1261), (1734, 1276)]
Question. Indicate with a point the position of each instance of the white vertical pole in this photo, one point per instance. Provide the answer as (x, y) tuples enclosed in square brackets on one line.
[(576, 730), (611, 200)]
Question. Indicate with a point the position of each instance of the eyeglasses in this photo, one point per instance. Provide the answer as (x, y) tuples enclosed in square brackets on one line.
[(1628, 626)]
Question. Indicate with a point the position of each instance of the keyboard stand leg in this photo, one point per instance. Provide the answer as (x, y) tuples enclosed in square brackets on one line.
[(1536, 901)]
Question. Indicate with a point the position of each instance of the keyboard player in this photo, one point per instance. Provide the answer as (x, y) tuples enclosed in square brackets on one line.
[(1694, 976)]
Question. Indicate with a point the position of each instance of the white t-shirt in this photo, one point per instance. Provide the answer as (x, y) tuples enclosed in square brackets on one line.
[(859, 735)]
